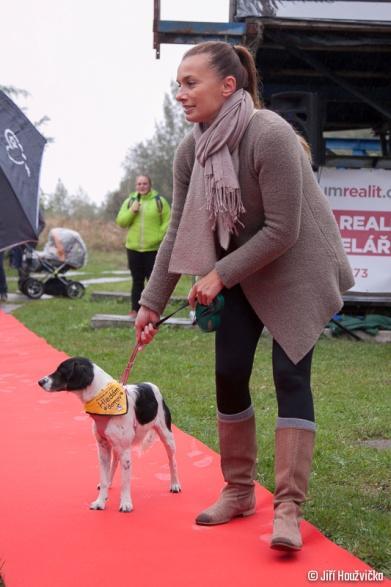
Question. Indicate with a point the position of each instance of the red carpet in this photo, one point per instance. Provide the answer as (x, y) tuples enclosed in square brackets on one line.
[(49, 537)]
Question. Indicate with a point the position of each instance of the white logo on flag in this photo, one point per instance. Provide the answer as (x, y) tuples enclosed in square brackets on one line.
[(15, 150)]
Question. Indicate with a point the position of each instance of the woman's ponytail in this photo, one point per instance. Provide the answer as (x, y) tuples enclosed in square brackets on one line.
[(247, 60)]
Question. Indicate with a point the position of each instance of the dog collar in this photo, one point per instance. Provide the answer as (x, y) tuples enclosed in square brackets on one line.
[(112, 400)]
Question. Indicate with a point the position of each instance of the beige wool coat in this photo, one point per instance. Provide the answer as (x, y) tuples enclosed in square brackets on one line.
[(288, 257)]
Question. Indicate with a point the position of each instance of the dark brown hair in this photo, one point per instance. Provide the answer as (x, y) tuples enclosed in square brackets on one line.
[(233, 60)]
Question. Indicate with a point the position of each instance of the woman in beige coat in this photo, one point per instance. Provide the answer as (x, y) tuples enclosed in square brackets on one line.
[(249, 217)]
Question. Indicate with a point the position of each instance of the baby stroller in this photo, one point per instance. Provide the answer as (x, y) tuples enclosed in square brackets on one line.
[(64, 250)]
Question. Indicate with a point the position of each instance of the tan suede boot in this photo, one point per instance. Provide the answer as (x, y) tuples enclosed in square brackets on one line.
[(238, 449), (293, 461)]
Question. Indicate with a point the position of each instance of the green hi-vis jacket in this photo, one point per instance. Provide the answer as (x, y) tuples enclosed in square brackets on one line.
[(148, 226)]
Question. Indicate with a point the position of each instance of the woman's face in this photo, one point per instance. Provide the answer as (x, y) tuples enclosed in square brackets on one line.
[(142, 185), (201, 92)]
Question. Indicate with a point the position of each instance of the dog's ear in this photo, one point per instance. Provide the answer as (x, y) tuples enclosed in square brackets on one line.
[(80, 375)]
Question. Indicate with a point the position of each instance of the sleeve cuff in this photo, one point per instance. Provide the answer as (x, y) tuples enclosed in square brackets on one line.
[(225, 275)]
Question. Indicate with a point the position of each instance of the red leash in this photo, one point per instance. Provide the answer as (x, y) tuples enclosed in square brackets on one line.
[(125, 375)]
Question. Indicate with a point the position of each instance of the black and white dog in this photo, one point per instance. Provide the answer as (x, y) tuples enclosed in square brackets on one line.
[(146, 413)]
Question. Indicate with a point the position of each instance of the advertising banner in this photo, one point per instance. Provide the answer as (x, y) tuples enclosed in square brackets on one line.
[(361, 202), (335, 9)]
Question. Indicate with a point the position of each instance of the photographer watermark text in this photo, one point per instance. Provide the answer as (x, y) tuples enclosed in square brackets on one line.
[(339, 575)]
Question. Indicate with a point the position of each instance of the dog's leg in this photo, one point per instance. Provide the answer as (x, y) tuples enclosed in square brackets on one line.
[(167, 438), (125, 459), (113, 468), (114, 463), (104, 454)]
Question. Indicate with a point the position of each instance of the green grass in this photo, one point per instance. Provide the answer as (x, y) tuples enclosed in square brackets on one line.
[(350, 487), (98, 262)]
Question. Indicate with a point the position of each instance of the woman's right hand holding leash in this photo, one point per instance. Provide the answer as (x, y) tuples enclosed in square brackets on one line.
[(145, 330)]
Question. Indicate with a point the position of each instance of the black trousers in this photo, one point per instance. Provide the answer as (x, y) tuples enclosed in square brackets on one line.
[(140, 266), (3, 278), (236, 342)]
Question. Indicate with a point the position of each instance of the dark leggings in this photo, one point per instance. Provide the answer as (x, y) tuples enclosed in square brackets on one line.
[(236, 342), (140, 266)]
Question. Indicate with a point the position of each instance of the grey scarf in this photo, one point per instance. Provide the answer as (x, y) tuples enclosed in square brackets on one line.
[(213, 203)]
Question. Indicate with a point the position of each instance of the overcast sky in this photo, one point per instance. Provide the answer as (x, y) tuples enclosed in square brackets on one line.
[(90, 67)]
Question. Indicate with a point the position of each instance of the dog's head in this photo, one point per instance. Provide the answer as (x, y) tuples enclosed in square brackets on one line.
[(74, 374)]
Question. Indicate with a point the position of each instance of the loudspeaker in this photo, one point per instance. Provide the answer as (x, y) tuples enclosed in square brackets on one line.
[(303, 110)]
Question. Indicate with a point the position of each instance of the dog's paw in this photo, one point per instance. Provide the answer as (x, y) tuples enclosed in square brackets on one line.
[(97, 505), (175, 488), (126, 506)]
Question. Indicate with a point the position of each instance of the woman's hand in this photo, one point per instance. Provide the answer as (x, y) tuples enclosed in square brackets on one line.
[(144, 325), (135, 207), (206, 289)]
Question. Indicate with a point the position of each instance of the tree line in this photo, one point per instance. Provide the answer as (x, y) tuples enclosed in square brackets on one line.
[(153, 156)]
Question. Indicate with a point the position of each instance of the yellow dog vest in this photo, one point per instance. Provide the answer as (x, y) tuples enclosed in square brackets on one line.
[(110, 401)]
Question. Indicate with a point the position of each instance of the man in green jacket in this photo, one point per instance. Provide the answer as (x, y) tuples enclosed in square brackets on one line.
[(146, 216)]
